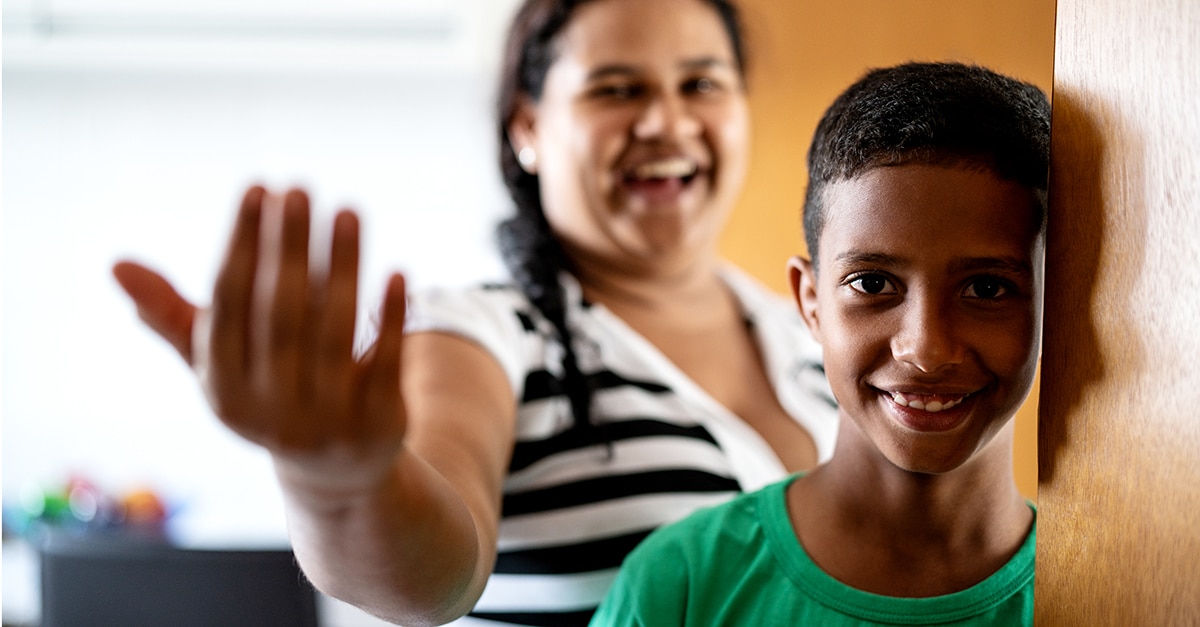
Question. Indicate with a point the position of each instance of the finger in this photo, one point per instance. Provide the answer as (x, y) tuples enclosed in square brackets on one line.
[(336, 307), (159, 305), (232, 293), (382, 362), (281, 300)]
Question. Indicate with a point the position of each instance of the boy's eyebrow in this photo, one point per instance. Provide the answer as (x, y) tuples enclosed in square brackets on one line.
[(1007, 264), (621, 69), (1011, 265), (865, 258)]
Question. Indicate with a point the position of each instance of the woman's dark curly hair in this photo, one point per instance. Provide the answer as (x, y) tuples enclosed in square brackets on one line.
[(528, 246)]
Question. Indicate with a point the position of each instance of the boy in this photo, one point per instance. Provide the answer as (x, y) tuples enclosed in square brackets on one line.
[(924, 220)]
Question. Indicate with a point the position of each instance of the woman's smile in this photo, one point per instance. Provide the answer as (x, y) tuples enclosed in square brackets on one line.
[(662, 183)]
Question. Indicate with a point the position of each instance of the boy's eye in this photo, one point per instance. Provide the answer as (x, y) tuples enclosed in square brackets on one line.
[(986, 288), (872, 284)]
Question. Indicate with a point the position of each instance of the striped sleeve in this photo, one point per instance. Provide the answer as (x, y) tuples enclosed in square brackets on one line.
[(494, 317)]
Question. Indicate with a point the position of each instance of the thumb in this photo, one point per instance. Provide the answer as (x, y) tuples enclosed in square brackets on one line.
[(159, 305), (382, 361)]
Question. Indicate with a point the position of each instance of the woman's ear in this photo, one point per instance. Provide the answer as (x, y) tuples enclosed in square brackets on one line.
[(522, 135), (803, 277)]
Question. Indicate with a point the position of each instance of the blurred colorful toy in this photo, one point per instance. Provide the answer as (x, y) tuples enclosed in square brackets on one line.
[(143, 507), (80, 505)]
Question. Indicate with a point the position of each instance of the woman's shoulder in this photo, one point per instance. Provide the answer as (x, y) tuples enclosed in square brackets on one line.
[(496, 291), (496, 316), (430, 307)]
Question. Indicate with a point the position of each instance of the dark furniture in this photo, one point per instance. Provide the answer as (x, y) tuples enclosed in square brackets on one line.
[(124, 580)]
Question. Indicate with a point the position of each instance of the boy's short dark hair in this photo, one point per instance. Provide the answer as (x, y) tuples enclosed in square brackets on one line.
[(933, 114)]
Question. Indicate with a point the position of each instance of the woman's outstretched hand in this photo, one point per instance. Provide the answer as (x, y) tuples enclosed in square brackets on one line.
[(274, 352), (371, 520)]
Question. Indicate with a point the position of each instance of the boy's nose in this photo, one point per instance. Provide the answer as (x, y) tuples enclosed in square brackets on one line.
[(666, 115), (927, 338)]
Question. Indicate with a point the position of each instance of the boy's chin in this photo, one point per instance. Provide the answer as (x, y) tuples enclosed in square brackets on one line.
[(923, 465), (939, 458)]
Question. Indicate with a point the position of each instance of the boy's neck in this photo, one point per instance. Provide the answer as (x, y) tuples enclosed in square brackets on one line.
[(882, 529)]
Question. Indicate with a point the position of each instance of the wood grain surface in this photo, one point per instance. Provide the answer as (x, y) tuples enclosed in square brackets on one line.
[(1119, 424)]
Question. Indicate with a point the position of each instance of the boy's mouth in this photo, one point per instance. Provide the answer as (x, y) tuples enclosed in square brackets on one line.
[(932, 403)]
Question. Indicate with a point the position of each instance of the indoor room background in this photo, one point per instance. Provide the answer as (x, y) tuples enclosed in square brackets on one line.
[(131, 128)]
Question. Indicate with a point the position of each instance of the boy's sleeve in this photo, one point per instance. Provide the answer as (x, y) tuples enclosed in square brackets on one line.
[(651, 589)]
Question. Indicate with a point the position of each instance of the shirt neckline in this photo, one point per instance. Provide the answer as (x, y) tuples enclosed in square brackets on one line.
[(761, 464), (823, 588)]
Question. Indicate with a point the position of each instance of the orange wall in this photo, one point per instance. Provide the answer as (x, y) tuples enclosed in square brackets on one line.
[(804, 53)]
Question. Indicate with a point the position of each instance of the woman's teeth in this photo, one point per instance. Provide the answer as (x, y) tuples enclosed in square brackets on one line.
[(677, 167), (932, 407)]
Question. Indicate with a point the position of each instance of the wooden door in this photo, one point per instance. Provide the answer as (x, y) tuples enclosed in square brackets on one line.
[(1119, 424)]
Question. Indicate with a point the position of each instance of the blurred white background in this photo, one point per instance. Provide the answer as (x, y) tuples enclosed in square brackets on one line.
[(130, 129)]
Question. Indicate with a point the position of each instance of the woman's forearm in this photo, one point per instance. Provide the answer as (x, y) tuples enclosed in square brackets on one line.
[(409, 551)]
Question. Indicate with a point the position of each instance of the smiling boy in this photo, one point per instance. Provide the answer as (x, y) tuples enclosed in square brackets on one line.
[(924, 221)]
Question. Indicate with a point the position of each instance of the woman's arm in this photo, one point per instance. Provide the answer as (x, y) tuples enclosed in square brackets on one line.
[(419, 548), (390, 462)]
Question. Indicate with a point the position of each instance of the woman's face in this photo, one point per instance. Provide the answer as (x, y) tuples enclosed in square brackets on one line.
[(641, 133)]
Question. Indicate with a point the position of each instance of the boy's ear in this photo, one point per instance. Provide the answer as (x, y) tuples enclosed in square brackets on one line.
[(804, 289), (522, 135)]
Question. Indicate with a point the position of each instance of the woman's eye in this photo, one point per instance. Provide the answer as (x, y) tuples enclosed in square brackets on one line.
[(701, 86), (872, 284), (618, 91), (986, 288)]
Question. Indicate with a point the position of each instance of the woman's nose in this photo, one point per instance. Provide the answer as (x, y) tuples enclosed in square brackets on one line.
[(667, 115), (928, 337)]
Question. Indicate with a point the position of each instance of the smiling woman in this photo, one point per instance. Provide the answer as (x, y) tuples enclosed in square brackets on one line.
[(532, 432), (640, 160)]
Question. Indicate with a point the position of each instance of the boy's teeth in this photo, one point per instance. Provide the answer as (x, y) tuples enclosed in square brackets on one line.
[(932, 407), (667, 168)]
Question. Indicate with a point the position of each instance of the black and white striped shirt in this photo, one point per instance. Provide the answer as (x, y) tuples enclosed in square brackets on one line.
[(577, 501)]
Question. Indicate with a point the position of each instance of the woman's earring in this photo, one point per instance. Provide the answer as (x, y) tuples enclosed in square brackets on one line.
[(527, 157)]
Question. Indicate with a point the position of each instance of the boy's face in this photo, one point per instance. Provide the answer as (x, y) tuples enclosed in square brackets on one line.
[(928, 306)]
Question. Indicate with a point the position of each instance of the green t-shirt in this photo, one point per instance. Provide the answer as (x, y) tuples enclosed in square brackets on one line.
[(740, 564)]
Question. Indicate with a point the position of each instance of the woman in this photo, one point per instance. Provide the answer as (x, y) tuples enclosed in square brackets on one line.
[(539, 430)]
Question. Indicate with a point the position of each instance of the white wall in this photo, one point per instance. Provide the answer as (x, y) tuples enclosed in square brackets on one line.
[(104, 161)]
